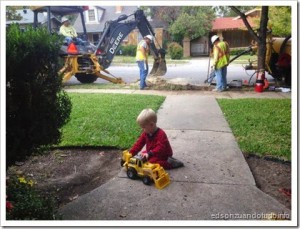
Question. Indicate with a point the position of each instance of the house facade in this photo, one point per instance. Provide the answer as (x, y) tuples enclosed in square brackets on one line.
[(96, 18), (230, 29)]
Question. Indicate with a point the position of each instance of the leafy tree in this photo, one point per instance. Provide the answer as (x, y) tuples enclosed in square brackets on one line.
[(226, 11), (193, 22), (167, 14), (280, 20), (11, 13)]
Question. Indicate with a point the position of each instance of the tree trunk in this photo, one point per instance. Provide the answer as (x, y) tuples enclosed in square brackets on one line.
[(260, 38), (262, 34)]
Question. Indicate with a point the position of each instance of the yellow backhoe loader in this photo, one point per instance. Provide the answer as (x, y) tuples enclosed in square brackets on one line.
[(89, 62)]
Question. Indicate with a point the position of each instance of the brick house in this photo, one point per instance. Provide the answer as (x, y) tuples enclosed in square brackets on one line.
[(231, 29)]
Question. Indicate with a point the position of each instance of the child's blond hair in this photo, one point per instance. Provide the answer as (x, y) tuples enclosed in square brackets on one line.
[(146, 116)]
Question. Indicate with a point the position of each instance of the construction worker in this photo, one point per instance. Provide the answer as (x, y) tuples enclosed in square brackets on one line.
[(142, 59), (69, 32), (220, 62)]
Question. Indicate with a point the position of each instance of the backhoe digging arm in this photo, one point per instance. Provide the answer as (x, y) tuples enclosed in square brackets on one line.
[(117, 30)]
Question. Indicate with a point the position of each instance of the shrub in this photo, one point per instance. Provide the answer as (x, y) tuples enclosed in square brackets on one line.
[(128, 50), (36, 107), (175, 50), (24, 202)]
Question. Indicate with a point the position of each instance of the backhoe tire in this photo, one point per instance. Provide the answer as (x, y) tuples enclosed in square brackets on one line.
[(86, 78), (131, 173), (147, 180)]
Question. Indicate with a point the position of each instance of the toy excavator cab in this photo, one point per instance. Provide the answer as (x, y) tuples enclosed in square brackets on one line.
[(148, 172)]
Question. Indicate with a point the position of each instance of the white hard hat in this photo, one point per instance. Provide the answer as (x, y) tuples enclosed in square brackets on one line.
[(214, 38), (150, 37), (63, 19)]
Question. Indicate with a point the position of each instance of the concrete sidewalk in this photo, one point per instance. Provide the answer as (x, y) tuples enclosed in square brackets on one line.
[(216, 182)]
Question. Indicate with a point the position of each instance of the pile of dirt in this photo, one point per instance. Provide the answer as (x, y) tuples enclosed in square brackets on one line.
[(67, 174)]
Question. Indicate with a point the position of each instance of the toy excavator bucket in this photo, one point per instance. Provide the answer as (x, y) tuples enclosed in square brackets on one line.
[(163, 181)]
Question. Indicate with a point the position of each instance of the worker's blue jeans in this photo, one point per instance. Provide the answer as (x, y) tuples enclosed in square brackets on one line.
[(77, 40), (143, 73), (221, 79)]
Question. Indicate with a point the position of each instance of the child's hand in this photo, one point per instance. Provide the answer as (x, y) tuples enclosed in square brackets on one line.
[(145, 156)]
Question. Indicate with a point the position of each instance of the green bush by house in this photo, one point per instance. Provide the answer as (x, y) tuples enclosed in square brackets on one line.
[(175, 50), (127, 50)]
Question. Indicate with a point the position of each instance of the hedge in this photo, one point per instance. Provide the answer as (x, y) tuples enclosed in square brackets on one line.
[(36, 106)]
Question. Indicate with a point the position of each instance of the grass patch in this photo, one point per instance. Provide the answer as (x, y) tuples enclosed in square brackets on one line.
[(106, 120), (131, 60), (261, 126), (244, 59)]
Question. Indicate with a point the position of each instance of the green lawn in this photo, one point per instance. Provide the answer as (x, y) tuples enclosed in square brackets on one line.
[(244, 59), (131, 60), (261, 126), (107, 120)]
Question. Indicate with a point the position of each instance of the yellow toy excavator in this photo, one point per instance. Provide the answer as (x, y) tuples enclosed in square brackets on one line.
[(149, 172)]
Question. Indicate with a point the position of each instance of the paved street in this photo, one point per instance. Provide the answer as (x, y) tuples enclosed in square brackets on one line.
[(194, 72)]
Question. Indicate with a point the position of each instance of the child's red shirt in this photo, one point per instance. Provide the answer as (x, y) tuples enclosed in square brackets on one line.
[(157, 143)]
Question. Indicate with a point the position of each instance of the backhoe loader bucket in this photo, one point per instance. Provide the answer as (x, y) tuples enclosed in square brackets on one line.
[(159, 67)]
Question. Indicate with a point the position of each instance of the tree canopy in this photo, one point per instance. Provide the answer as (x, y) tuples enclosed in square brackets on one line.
[(192, 22), (11, 13), (280, 20)]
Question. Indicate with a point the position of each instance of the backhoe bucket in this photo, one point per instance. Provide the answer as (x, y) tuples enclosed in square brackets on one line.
[(159, 67)]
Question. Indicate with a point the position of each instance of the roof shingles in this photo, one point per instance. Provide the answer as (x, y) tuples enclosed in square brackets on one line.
[(229, 23)]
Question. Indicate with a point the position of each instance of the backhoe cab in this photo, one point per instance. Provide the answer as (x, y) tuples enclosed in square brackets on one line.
[(89, 62), (148, 172)]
